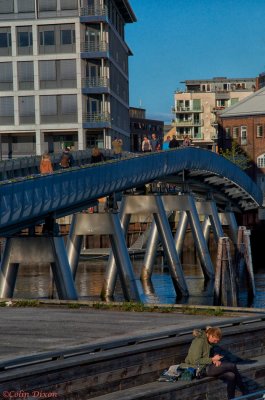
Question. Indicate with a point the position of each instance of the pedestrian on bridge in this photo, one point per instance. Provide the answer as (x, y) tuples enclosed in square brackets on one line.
[(146, 146), (46, 164), (202, 355), (67, 159), (96, 156)]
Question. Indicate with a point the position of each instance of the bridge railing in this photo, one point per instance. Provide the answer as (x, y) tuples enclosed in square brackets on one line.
[(28, 166)]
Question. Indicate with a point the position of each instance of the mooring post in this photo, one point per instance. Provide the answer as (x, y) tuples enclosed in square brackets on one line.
[(249, 265), (225, 292)]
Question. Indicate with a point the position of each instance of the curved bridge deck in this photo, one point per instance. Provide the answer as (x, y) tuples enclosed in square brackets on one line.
[(27, 201)]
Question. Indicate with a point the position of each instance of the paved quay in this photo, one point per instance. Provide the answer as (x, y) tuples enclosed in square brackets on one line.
[(31, 330)]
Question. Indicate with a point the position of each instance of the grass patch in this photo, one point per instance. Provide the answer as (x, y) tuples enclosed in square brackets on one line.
[(217, 312), (25, 303)]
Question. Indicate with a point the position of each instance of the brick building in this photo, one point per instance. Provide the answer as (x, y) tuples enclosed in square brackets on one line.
[(245, 124)]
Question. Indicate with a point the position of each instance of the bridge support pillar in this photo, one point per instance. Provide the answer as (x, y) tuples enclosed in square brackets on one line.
[(109, 223), (150, 204), (36, 250), (73, 246), (185, 202)]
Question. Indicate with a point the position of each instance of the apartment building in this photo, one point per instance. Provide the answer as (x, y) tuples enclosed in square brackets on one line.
[(63, 74), (196, 107)]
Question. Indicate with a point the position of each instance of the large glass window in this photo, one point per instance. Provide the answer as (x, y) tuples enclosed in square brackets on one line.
[(24, 39), (26, 106), (67, 36), (6, 6), (6, 110), (5, 39), (24, 6), (69, 5), (47, 5), (25, 70), (47, 38), (6, 76)]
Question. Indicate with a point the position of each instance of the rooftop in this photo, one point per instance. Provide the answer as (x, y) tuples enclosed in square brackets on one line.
[(251, 105)]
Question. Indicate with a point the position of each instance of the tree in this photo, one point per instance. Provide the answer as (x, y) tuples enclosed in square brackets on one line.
[(237, 156)]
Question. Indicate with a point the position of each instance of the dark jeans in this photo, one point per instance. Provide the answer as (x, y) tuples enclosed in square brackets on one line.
[(229, 373)]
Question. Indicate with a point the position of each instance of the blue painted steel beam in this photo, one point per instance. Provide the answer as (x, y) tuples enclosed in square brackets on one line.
[(28, 201)]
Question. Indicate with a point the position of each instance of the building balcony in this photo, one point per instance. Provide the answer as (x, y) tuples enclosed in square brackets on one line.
[(182, 123), (97, 120), (92, 47), (180, 109), (192, 136), (95, 82), (94, 11)]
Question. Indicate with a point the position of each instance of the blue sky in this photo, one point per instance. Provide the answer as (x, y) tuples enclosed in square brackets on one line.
[(177, 40)]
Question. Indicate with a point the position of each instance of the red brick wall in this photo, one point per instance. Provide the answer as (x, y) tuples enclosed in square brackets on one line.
[(255, 145)]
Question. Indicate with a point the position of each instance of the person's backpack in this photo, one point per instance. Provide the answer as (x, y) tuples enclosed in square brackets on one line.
[(65, 160)]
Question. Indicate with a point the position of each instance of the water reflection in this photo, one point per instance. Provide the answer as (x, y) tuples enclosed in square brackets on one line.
[(37, 282)]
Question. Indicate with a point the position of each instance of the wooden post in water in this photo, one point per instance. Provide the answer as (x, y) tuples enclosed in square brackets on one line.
[(249, 265), (244, 260), (225, 281)]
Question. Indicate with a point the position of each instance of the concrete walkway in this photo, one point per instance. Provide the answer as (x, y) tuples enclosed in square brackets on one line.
[(26, 331)]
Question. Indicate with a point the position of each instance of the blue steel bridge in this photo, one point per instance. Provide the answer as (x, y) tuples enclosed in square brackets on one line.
[(31, 200)]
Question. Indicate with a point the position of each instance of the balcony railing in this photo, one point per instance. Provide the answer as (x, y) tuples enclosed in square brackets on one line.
[(94, 47), (96, 117), (94, 11), (188, 123), (98, 81), (180, 109), (192, 136)]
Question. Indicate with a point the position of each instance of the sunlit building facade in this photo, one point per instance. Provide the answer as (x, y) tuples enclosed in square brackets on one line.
[(196, 107), (63, 74)]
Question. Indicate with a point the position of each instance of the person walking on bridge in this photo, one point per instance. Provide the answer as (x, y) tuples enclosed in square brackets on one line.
[(46, 164), (202, 354), (146, 146)]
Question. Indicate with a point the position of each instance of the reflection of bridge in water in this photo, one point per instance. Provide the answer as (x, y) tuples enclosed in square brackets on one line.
[(192, 181)]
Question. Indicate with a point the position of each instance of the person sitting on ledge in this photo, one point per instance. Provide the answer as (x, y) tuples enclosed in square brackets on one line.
[(201, 354)]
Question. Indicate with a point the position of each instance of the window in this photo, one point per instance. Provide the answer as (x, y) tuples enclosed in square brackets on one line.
[(5, 39), (25, 6), (235, 132), (24, 39), (68, 104), (243, 135), (261, 161), (228, 133), (67, 36), (47, 5), (6, 76), (6, 6), (7, 110), (259, 131), (47, 38), (69, 5), (48, 105), (47, 70), (26, 109), (25, 75)]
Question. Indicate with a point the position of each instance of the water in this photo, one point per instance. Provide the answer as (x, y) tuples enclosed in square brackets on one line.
[(36, 282)]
